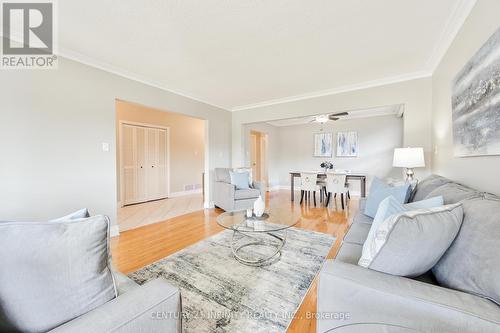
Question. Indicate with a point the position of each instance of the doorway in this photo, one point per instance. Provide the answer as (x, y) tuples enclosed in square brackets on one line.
[(161, 162), (258, 157)]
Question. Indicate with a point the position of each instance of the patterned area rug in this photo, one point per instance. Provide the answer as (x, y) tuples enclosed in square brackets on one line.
[(219, 294)]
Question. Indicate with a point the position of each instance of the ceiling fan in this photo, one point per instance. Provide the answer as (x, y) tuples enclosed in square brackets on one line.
[(323, 118)]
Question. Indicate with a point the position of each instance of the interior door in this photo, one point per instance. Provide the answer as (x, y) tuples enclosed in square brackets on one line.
[(253, 155), (145, 164), (129, 161), (153, 174), (142, 164)]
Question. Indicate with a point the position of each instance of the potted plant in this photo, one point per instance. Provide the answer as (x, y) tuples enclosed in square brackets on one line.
[(326, 165)]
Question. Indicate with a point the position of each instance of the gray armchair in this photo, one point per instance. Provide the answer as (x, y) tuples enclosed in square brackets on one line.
[(227, 197)]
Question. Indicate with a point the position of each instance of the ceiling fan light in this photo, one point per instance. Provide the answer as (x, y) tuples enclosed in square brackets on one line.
[(322, 119)]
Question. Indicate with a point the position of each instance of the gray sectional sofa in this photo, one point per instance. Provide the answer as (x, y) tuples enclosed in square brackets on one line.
[(152, 307), (229, 198), (355, 299)]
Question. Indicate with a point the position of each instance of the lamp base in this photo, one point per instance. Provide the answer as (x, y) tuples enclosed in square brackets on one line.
[(409, 175)]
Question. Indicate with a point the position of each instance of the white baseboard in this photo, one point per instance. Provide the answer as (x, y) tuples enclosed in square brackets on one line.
[(183, 193), (208, 205), (115, 230)]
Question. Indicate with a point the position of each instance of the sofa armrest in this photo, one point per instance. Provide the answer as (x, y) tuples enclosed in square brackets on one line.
[(224, 195), (352, 295), (153, 307), (261, 187)]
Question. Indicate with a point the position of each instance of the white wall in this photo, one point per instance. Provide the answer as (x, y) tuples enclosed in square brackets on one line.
[(478, 172), (51, 129), (415, 95), (377, 138)]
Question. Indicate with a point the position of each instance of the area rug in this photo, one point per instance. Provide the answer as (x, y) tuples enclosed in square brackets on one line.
[(219, 294)]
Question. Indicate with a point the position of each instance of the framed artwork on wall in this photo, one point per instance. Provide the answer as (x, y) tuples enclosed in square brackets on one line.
[(475, 103), (323, 144), (347, 144)]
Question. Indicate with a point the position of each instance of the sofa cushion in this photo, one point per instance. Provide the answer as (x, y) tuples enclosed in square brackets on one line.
[(379, 191), (472, 263), (453, 193), (54, 272), (359, 217), (411, 243), (357, 233), (426, 186), (250, 193), (222, 175), (349, 253)]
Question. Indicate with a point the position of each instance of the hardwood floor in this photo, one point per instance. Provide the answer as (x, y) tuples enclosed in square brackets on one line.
[(139, 247)]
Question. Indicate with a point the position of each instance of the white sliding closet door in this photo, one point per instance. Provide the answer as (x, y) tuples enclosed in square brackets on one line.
[(144, 174)]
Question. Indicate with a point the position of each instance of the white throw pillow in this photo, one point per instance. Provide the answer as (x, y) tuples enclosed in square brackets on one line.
[(411, 243)]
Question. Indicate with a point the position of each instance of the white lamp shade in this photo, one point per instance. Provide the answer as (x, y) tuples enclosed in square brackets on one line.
[(408, 158)]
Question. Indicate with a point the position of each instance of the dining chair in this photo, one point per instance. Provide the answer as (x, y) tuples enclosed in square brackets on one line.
[(336, 183), (308, 181)]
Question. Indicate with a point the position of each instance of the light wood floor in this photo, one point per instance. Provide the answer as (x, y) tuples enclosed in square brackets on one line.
[(139, 247), (134, 216)]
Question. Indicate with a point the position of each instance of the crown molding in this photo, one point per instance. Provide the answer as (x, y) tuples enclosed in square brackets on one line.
[(453, 25), (81, 58), (339, 90)]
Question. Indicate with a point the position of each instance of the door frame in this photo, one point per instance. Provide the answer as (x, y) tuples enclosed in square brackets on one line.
[(120, 146)]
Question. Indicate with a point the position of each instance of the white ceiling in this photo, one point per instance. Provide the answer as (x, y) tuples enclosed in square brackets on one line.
[(395, 110), (238, 54)]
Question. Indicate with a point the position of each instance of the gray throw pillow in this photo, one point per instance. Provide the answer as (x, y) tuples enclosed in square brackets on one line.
[(453, 193), (427, 185), (52, 272), (472, 263), (411, 243), (79, 214)]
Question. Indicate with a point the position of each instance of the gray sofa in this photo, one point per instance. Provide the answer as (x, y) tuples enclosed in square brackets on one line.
[(229, 198), (355, 299), (152, 307)]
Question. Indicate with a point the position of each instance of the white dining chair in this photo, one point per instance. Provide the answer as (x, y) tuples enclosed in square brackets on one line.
[(336, 183), (308, 181)]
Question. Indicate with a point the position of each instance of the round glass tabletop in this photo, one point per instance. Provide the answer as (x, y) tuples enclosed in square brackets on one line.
[(272, 220)]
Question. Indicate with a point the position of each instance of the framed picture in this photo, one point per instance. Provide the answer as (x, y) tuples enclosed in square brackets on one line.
[(323, 144), (476, 103), (347, 144)]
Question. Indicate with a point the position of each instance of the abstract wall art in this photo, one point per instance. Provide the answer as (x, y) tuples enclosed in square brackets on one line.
[(476, 103), (323, 144), (347, 144)]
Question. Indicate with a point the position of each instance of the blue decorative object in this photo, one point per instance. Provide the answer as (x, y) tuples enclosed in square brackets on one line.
[(240, 179), (379, 191)]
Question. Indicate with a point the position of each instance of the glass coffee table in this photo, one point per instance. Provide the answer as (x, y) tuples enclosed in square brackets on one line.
[(258, 241)]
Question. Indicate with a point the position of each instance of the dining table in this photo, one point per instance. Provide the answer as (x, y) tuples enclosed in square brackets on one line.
[(322, 175)]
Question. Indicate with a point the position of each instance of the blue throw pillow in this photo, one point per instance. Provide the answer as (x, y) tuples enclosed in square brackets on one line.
[(379, 191), (240, 180), (427, 203)]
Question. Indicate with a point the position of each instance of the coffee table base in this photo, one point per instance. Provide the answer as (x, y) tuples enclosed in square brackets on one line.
[(275, 242)]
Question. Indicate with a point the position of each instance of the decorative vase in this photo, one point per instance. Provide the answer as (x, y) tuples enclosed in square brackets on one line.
[(259, 206)]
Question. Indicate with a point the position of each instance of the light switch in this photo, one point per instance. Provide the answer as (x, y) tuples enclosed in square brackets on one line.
[(105, 146)]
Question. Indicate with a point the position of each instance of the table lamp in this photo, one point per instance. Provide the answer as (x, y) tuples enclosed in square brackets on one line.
[(409, 158)]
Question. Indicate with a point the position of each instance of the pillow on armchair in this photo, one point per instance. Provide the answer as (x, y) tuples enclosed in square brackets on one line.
[(240, 180)]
